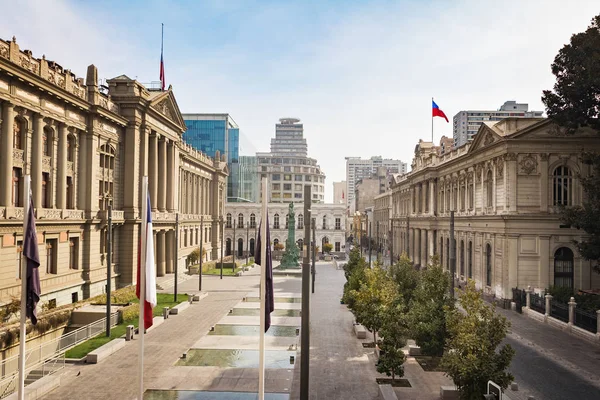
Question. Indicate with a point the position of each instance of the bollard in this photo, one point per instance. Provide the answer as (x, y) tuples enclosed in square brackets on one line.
[(129, 333), (572, 305), (297, 331), (528, 298), (291, 359), (184, 356), (548, 300), (165, 312), (191, 298)]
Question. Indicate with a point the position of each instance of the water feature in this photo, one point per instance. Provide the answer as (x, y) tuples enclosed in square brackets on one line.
[(277, 299), (202, 395), (236, 358), (253, 330), (256, 312)]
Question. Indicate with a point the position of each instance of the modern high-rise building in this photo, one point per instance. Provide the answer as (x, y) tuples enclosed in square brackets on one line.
[(466, 123), (209, 133), (288, 166), (249, 179), (339, 192), (357, 169)]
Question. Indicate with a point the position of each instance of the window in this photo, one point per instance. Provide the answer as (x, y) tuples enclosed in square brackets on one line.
[(74, 297), (298, 178), (287, 195), (205, 235), (442, 252), (71, 148), (70, 194), (471, 197), (287, 169), (324, 222), (276, 177), (18, 134), (240, 248), (338, 224), (337, 246), (562, 186), (287, 186), (276, 221), (228, 221), (488, 264), (563, 267), (462, 257), (275, 242), (107, 167), (240, 220), (46, 142), (307, 177), (490, 190), (277, 186), (287, 177), (45, 190), (252, 220), (73, 253), (252, 247), (228, 247), (300, 221), (51, 256), (470, 263), (287, 220), (297, 187), (17, 190), (297, 195)]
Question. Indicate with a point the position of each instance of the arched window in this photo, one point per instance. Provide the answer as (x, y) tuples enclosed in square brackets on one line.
[(240, 220), (490, 189), (488, 265), (462, 257), (562, 187), (71, 142), (563, 267), (228, 247), (228, 221), (252, 220), (18, 134), (240, 248), (300, 221), (47, 141), (324, 222), (287, 220), (275, 242), (252, 247), (107, 166), (276, 221), (470, 263)]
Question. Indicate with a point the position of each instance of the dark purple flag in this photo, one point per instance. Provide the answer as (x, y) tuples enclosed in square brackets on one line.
[(31, 252), (269, 298)]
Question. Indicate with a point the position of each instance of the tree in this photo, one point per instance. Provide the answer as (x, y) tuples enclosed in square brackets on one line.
[(406, 277), (472, 357), (327, 247), (575, 101), (394, 331), (354, 271), (194, 256), (427, 314), (373, 299), (575, 104)]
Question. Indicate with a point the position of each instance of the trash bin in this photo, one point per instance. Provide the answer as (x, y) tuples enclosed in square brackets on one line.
[(166, 312), (129, 333)]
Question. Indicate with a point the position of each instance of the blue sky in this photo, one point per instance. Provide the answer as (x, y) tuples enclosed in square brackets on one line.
[(360, 74)]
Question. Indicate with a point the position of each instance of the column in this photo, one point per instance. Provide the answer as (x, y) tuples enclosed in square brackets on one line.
[(36, 159), (482, 188), (170, 253), (162, 174), (416, 247), (544, 194), (423, 243), (494, 187), (160, 253), (432, 197), (170, 177), (544, 273), (513, 261), (8, 121), (153, 171), (511, 166), (61, 186), (419, 200), (430, 245), (475, 190)]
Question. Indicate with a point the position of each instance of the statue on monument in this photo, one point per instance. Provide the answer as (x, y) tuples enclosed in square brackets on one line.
[(292, 253)]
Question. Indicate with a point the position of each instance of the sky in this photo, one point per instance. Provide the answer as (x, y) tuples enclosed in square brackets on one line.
[(359, 74)]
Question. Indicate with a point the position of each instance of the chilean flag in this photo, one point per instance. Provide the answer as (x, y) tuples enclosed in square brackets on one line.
[(149, 269), (436, 112), (162, 71)]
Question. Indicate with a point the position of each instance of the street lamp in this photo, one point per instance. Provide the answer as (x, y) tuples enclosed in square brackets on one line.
[(222, 237), (107, 196), (247, 242)]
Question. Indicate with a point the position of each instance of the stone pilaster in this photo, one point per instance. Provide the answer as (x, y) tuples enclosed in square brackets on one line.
[(170, 177), (544, 194), (423, 244), (170, 251), (6, 160), (160, 253), (153, 171), (36, 159), (162, 174), (61, 178)]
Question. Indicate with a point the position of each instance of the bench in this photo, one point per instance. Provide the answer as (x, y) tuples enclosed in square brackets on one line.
[(360, 331), (386, 392), (104, 351), (449, 393), (179, 307), (39, 388), (414, 350)]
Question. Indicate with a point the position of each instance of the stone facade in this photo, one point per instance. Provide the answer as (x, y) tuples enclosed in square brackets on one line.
[(505, 188), (87, 146), (330, 228), (382, 215)]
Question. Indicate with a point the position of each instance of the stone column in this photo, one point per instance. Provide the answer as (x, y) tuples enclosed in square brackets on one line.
[(160, 253), (483, 194), (544, 194), (528, 297), (61, 184), (36, 159), (423, 248), (6, 160), (432, 197), (153, 171), (170, 254), (513, 261), (430, 246), (417, 247), (494, 187), (475, 191), (170, 177), (162, 174), (547, 309), (511, 174)]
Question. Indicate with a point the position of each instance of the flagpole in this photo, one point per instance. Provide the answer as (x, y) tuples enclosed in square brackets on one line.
[(23, 266), (142, 272), (263, 278), (432, 121)]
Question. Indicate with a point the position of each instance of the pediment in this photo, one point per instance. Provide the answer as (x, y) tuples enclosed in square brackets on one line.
[(485, 137), (166, 105)]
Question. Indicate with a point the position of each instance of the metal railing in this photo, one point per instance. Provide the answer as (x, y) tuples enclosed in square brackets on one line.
[(538, 303), (559, 311), (586, 320), (51, 348), (56, 363)]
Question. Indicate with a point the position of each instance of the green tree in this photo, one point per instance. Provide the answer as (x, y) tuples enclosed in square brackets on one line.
[(427, 314), (394, 331), (472, 357), (406, 277), (194, 256), (354, 271), (327, 247), (573, 104), (373, 299)]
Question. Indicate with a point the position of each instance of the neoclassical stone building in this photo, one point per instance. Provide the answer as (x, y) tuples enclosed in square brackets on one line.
[(506, 188), (87, 146), (330, 225)]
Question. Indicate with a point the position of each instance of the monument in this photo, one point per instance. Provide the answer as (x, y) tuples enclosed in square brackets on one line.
[(291, 253)]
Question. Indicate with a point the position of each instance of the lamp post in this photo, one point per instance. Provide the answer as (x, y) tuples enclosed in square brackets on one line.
[(108, 264), (247, 242), (222, 237), (200, 263), (234, 245)]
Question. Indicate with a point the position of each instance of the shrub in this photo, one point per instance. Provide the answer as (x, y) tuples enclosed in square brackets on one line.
[(278, 246), (327, 247)]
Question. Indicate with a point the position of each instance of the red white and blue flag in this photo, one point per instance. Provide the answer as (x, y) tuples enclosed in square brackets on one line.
[(436, 112), (266, 263), (148, 269)]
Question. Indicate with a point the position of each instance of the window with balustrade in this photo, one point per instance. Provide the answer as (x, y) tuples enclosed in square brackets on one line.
[(228, 221), (300, 221), (240, 220), (47, 141), (17, 187), (18, 130), (324, 222), (338, 224)]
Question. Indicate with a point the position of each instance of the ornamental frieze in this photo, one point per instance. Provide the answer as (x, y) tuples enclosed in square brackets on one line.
[(528, 164)]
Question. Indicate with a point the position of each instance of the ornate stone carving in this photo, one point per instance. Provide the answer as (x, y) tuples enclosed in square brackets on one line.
[(3, 50), (29, 64), (79, 91), (544, 156), (511, 156), (18, 154), (56, 78), (73, 214), (500, 168), (70, 168), (46, 163), (528, 164), (2, 212), (163, 108), (49, 213), (488, 139)]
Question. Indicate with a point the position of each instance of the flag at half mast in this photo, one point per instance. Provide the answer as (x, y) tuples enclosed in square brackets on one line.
[(148, 269), (32, 254), (268, 265)]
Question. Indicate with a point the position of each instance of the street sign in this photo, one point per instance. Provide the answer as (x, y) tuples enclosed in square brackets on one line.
[(494, 388)]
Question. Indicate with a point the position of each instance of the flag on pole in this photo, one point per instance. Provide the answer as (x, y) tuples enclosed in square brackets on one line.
[(436, 112), (162, 64), (31, 253), (148, 269), (268, 268)]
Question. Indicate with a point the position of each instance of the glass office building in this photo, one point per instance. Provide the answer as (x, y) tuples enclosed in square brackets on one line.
[(211, 132)]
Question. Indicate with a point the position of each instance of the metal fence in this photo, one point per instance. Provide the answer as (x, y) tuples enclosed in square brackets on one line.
[(559, 311), (538, 303), (54, 364), (47, 350), (586, 320)]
